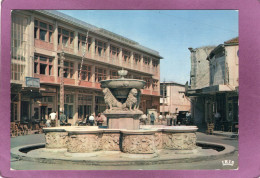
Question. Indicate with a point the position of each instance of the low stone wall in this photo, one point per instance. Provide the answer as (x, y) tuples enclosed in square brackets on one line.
[(136, 142), (80, 140), (56, 139), (111, 140), (85, 142), (178, 141)]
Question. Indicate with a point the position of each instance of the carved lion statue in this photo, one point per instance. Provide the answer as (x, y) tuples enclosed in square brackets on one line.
[(132, 101), (110, 100)]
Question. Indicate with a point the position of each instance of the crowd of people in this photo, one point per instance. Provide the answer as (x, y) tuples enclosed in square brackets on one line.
[(62, 120), (101, 120)]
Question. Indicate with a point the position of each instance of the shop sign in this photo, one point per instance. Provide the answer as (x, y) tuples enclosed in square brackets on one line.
[(32, 82)]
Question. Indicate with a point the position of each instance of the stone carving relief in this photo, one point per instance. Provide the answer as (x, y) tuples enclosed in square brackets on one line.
[(84, 143), (158, 140), (179, 141), (110, 142), (56, 139), (138, 144)]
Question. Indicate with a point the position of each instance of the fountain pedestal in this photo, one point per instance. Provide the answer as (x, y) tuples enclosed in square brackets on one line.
[(123, 119)]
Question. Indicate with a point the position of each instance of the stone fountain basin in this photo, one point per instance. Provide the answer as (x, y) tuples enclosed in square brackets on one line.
[(122, 83), (147, 140)]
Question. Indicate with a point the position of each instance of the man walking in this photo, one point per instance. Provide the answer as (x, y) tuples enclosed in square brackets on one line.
[(152, 118), (62, 118), (91, 120), (53, 117)]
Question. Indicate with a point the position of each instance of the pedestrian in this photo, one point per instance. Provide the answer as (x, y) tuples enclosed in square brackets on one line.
[(91, 120), (174, 119), (168, 119), (99, 120), (217, 118), (52, 118), (104, 118), (152, 117), (48, 122), (188, 118), (62, 118)]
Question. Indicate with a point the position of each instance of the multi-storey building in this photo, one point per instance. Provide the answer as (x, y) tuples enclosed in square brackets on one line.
[(38, 40), (173, 98), (220, 94)]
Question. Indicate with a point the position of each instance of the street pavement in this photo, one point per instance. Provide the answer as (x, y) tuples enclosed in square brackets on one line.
[(207, 164)]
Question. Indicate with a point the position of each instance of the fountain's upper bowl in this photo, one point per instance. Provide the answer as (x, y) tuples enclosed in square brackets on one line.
[(122, 83)]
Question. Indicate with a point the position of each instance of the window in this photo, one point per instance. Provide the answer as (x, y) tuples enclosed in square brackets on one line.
[(163, 90), (114, 51), (137, 77), (148, 83), (146, 61), (68, 98), (43, 65), (137, 58), (155, 85), (68, 69), (100, 74), (100, 47), (85, 72), (82, 42), (43, 31), (65, 37), (155, 64), (114, 74), (19, 43), (126, 56)]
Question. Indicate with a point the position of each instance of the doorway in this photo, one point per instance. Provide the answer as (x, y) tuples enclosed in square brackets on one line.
[(43, 113), (24, 111)]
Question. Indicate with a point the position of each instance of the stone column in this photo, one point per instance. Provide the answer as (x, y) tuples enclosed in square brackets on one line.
[(76, 38), (92, 79), (108, 73), (151, 66), (75, 108), (31, 47), (107, 52), (131, 59), (142, 63), (55, 45), (93, 103), (158, 70), (92, 48), (19, 107), (120, 58), (76, 73)]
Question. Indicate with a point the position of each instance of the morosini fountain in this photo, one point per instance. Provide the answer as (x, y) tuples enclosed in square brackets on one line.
[(124, 133), (124, 137)]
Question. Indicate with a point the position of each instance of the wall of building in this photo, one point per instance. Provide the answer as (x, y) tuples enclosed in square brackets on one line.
[(199, 76), (233, 65), (36, 43), (175, 100), (217, 70)]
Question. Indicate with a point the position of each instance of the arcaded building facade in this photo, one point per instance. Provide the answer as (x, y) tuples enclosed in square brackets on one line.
[(39, 38)]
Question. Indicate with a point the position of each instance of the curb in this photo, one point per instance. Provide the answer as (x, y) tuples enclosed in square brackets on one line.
[(233, 135), (16, 153)]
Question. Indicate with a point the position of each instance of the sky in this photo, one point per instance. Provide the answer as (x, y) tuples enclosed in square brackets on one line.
[(170, 32)]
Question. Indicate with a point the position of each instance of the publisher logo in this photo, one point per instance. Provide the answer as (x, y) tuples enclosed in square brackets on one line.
[(227, 163)]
